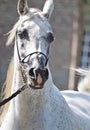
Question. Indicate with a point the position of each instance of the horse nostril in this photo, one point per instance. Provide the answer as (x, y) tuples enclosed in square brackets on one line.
[(31, 72)]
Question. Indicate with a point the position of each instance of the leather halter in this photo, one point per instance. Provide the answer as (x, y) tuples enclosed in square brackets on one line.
[(22, 62)]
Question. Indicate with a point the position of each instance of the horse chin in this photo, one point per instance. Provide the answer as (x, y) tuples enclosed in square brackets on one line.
[(36, 86), (39, 81)]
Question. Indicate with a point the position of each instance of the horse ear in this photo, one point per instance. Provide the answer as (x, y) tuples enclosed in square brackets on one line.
[(22, 7), (48, 8)]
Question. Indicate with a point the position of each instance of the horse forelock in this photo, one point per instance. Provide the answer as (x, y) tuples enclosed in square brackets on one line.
[(29, 15)]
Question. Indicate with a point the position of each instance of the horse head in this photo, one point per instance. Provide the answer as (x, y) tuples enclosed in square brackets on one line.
[(33, 37)]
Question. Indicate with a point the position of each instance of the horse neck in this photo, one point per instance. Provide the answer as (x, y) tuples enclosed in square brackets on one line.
[(32, 105)]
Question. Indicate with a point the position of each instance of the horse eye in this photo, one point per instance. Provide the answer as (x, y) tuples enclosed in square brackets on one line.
[(50, 37), (23, 34)]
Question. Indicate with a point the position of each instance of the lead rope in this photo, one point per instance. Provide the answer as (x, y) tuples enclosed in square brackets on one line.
[(6, 100), (3, 102)]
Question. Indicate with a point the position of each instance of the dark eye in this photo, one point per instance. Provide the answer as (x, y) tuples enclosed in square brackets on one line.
[(23, 34), (50, 37)]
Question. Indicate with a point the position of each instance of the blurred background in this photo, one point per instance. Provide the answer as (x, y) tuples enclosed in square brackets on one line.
[(71, 24)]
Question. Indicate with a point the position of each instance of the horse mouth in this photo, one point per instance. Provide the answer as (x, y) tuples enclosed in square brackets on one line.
[(38, 78)]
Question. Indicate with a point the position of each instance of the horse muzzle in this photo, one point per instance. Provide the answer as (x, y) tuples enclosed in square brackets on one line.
[(38, 73), (38, 77)]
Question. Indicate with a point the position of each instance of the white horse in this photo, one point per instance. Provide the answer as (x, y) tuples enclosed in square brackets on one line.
[(41, 106)]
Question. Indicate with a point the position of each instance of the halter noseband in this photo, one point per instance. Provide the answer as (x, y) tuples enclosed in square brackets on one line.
[(29, 55)]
